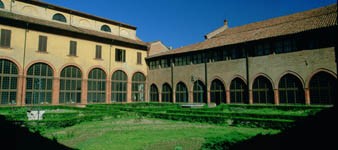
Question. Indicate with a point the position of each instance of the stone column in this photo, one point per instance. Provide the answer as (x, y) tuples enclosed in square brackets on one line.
[(108, 91), (20, 91), (208, 97), (250, 97), (227, 95), (191, 97), (276, 92), (84, 91), (159, 97), (174, 96), (129, 93), (307, 96), (56, 91)]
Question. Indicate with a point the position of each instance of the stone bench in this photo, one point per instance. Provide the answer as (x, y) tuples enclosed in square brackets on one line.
[(35, 114)]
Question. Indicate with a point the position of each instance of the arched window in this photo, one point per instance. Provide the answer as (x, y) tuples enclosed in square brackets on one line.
[(2, 4), (262, 91), (70, 85), (323, 88), (167, 95), (291, 90), (119, 86), (96, 86), (199, 92), (59, 17), (39, 85), (105, 28), (153, 93), (181, 93), (8, 82), (138, 84), (238, 91), (217, 92)]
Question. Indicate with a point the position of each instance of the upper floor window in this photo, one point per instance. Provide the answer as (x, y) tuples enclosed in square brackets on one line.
[(105, 28), (2, 5), (165, 63), (59, 17), (139, 58), (98, 52), (72, 48), (42, 44), (5, 38), (120, 55)]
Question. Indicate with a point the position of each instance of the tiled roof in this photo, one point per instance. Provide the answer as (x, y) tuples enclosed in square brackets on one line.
[(67, 27), (291, 24)]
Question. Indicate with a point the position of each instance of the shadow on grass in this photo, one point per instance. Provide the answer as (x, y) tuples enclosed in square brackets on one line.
[(15, 137), (316, 132)]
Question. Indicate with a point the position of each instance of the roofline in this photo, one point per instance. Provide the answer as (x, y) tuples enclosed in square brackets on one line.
[(66, 10)]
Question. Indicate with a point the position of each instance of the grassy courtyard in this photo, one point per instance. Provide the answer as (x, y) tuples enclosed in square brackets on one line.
[(156, 126)]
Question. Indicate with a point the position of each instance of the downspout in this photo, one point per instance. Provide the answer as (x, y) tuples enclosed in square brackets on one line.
[(247, 73), (23, 63), (172, 78), (206, 75)]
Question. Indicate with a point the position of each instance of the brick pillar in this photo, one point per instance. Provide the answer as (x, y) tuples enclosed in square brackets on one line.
[(208, 97), (19, 93), (56, 91), (108, 91), (250, 97), (129, 93), (146, 93), (276, 92), (227, 95), (307, 96), (84, 92), (159, 97)]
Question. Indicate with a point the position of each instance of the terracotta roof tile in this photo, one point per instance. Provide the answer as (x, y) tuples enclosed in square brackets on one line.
[(285, 25)]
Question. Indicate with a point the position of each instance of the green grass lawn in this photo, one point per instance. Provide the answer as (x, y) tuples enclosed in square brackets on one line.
[(146, 133)]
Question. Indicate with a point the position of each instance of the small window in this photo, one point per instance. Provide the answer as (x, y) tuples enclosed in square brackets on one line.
[(59, 17), (139, 58), (42, 44), (72, 48), (5, 38), (2, 5), (105, 28), (120, 55), (98, 52)]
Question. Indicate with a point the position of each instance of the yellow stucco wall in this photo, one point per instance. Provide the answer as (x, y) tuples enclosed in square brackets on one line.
[(78, 21)]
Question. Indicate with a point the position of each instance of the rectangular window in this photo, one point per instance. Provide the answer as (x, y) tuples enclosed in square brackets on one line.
[(42, 44), (98, 52), (139, 58), (165, 63), (120, 55), (5, 38), (72, 48)]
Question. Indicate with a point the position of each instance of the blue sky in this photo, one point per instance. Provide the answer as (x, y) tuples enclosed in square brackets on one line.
[(179, 23)]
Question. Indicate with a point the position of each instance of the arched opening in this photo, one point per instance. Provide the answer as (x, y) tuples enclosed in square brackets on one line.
[(166, 93), (138, 85), (105, 28), (153, 93), (262, 91), (199, 92), (217, 92), (323, 88), (8, 82), (70, 85), (96, 86), (238, 91), (291, 90), (59, 17), (2, 5), (39, 84), (181, 93), (119, 86)]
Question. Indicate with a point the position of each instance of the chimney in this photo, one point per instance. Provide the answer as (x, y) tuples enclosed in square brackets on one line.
[(225, 22)]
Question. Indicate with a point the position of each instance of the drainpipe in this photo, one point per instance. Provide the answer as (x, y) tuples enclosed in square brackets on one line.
[(207, 95), (172, 78), (23, 63), (247, 73)]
